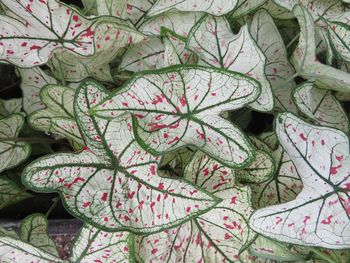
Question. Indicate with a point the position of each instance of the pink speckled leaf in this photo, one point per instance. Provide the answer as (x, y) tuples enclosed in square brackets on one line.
[(33, 80), (214, 7), (321, 106), (319, 215), (214, 42), (12, 152), (317, 8), (180, 106), (91, 245), (278, 68), (113, 183), (220, 235), (57, 117), (32, 29)]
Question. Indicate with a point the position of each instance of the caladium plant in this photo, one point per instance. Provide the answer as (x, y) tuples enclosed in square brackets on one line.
[(178, 130)]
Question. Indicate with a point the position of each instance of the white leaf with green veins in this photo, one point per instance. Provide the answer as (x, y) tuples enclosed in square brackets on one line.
[(319, 215), (220, 234), (31, 30), (283, 186), (278, 69), (339, 35), (91, 245), (58, 116), (7, 107), (269, 249), (277, 11), (145, 55), (32, 80), (113, 183), (10, 192), (245, 7), (170, 20), (214, 7), (34, 230), (215, 44), (12, 152), (181, 105), (317, 8), (304, 57), (334, 256), (111, 37), (321, 106)]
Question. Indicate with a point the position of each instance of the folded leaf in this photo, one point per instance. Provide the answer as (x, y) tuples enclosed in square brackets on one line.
[(321, 106), (12, 151), (319, 215), (181, 105), (215, 7), (57, 117), (221, 234), (278, 69), (215, 44), (113, 183)]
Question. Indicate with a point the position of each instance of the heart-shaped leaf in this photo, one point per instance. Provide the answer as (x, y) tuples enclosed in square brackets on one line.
[(319, 216), (221, 234), (10, 192), (12, 151), (181, 105), (113, 183), (58, 116), (215, 7), (33, 80), (34, 230), (304, 57), (91, 245), (321, 106), (215, 44), (31, 30), (278, 69)]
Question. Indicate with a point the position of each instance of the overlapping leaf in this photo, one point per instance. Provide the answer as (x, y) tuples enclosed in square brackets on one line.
[(215, 44), (91, 245), (58, 116), (214, 7), (319, 215), (34, 230), (7, 107), (321, 106), (33, 80), (282, 187), (219, 235), (113, 183), (278, 68), (180, 106), (10, 192), (12, 151), (304, 57), (245, 7)]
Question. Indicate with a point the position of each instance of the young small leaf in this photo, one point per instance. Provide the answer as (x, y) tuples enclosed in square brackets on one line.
[(11, 193), (7, 107)]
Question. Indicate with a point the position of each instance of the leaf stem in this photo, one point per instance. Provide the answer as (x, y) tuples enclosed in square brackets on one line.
[(292, 41), (33, 140), (55, 202)]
